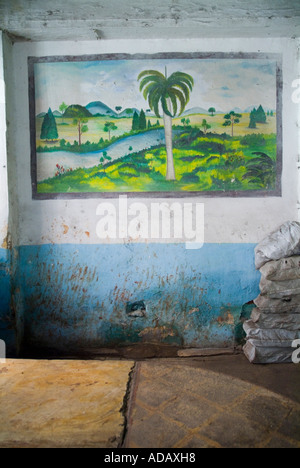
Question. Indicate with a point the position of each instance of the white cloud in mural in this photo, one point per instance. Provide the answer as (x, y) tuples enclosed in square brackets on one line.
[(223, 84)]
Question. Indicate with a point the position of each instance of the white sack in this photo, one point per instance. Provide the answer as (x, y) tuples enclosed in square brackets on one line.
[(270, 334), (282, 243), (279, 289), (285, 321), (277, 306), (261, 355), (271, 343), (285, 269)]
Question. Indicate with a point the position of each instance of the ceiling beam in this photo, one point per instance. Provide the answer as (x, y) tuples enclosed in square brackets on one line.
[(37, 20)]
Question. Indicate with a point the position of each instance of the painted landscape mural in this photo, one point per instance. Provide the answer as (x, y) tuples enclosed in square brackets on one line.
[(207, 125)]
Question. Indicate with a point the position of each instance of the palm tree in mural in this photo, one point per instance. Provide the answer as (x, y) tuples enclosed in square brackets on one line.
[(165, 93)]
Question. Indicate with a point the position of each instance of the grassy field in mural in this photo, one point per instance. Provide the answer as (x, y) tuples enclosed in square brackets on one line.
[(204, 159)]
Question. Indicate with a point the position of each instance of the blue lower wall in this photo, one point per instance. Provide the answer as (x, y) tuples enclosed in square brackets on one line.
[(7, 330), (73, 297)]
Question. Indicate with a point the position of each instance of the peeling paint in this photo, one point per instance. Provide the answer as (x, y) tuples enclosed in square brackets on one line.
[(5, 243), (228, 318), (157, 334), (7, 332), (99, 34), (74, 297), (66, 229)]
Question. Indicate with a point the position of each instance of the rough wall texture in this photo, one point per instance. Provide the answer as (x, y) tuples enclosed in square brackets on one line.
[(7, 326), (71, 293), (4, 285), (75, 297), (90, 19), (6, 319)]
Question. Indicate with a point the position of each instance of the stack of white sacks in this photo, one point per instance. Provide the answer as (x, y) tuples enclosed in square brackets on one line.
[(275, 322)]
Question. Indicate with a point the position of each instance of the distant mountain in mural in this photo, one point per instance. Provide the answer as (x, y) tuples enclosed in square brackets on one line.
[(101, 109), (98, 107), (129, 112), (57, 114), (94, 109), (195, 110), (266, 109)]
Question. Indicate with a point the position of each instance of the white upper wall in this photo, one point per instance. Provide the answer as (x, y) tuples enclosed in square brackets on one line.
[(227, 220)]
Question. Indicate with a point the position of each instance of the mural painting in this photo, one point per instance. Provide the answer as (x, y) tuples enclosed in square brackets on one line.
[(164, 124)]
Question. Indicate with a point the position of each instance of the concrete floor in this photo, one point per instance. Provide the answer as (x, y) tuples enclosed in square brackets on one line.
[(218, 401), (62, 403)]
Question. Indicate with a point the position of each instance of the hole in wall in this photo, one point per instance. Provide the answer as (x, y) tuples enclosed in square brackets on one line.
[(136, 309)]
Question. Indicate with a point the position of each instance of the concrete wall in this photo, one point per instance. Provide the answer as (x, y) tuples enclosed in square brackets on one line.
[(70, 289), (6, 325), (135, 19), (297, 104)]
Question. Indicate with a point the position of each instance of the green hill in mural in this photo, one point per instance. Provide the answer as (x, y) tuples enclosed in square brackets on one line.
[(76, 111)]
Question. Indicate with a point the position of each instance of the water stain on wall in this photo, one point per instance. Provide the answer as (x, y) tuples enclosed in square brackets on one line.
[(75, 297)]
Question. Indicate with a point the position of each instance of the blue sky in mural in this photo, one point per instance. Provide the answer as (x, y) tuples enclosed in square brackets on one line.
[(225, 84)]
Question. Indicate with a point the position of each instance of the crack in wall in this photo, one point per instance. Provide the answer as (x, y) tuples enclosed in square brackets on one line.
[(126, 407)]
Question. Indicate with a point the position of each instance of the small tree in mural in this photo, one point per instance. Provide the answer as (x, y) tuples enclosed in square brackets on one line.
[(135, 121), (212, 111), (257, 116), (231, 119), (260, 115), (49, 128), (166, 92), (252, 123), (104, 159), (109, 127), (185, 122), (63, 107), (205, 126), (142, 121), (81, 127)]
